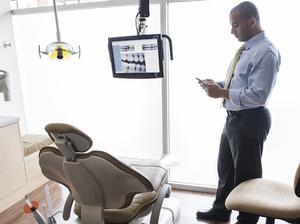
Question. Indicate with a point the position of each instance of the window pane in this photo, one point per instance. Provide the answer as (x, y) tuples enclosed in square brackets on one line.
[(23, 4), (204, 49), (123, 116)]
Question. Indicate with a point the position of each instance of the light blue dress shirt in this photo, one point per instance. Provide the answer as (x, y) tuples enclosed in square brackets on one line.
[(254, 75)]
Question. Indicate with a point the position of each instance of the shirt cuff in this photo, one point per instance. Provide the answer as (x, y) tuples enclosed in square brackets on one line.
[(221, 83)]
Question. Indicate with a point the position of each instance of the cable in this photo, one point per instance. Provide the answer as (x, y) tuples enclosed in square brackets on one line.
[(137, 25)]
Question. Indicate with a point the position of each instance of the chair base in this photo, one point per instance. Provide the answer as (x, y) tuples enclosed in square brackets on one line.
[(169, 214), (270, 220)]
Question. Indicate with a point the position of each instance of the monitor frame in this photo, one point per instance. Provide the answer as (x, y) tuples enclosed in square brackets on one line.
[(137, 75)]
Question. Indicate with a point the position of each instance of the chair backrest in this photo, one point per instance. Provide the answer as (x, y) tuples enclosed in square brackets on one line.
[(297, 181), (95, 178)]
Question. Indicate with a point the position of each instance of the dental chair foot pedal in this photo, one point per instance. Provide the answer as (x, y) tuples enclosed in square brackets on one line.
[(169, 214)]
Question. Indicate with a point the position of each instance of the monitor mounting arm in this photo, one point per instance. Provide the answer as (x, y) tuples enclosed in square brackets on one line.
[(140, 20)]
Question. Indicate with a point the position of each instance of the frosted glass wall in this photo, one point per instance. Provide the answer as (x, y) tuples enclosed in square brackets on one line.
[(204, 49)]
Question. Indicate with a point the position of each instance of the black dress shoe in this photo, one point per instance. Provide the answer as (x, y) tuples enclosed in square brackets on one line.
[(246, 222), (214, 214)]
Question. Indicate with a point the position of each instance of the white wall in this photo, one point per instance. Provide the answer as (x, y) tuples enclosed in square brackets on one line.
[(8, 62)]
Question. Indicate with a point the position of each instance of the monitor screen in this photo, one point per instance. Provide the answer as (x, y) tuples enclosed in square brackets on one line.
[(136, 56)]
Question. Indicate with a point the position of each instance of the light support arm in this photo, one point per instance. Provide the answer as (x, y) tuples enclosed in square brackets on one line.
[(56, 22), (144, 8)]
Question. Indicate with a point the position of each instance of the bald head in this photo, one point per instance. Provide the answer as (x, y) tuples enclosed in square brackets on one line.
[(244, 19), (247, 10)]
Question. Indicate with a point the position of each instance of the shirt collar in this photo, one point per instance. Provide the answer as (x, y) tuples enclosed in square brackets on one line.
[(254, 40)]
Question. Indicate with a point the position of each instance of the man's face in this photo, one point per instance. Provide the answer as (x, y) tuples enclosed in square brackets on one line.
[(239, 27)]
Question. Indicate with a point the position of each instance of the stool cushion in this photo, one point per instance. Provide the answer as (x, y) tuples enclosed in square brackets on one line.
[(35, 142), (265, 198)]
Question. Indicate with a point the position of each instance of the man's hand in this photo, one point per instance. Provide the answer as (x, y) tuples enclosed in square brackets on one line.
[(213, 90)]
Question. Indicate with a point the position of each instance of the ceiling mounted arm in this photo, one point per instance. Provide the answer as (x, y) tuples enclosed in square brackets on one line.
[(59, 50), (141, 16), (56, 22)]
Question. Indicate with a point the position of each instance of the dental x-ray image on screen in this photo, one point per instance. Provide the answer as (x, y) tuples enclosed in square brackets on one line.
[(136, 56)]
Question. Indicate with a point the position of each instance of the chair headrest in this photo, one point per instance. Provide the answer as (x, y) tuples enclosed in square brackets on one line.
[(80, 141)]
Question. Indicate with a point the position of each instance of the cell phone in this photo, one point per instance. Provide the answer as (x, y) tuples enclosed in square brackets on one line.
[(199, 80)]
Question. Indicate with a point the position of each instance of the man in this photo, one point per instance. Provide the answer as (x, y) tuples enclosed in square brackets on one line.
[(248, 121)]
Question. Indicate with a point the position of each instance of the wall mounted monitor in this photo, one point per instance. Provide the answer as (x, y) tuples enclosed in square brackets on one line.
[(136, 56)]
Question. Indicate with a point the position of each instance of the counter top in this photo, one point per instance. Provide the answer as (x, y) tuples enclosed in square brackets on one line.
[(5, 120)]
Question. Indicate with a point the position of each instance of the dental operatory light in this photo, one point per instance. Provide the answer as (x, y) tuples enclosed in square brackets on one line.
[(59, 50)]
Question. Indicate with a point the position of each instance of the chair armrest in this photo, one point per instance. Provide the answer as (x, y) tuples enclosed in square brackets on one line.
[(67, 207), (164, 192)]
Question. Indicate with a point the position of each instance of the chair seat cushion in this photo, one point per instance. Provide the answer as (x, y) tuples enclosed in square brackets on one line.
[(156, 175), (154, 170), (265, 198), (139, 203)]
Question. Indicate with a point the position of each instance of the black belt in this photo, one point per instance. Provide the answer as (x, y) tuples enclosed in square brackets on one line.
[(234, 113)]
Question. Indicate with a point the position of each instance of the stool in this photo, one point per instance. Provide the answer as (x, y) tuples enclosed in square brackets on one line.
[(34, 142)]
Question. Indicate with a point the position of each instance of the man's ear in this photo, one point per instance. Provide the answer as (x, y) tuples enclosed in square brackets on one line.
[(252, 22)]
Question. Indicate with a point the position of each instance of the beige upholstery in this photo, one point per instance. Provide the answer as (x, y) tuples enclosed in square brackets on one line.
[(154, 170), (106, 190), (34, 142), (267, 198), (121, 215)]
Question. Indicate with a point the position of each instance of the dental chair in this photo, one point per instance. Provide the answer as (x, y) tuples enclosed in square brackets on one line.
[(105, 189)]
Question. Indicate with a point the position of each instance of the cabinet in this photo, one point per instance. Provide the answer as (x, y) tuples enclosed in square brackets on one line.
[(15, 181), (12, 166)]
